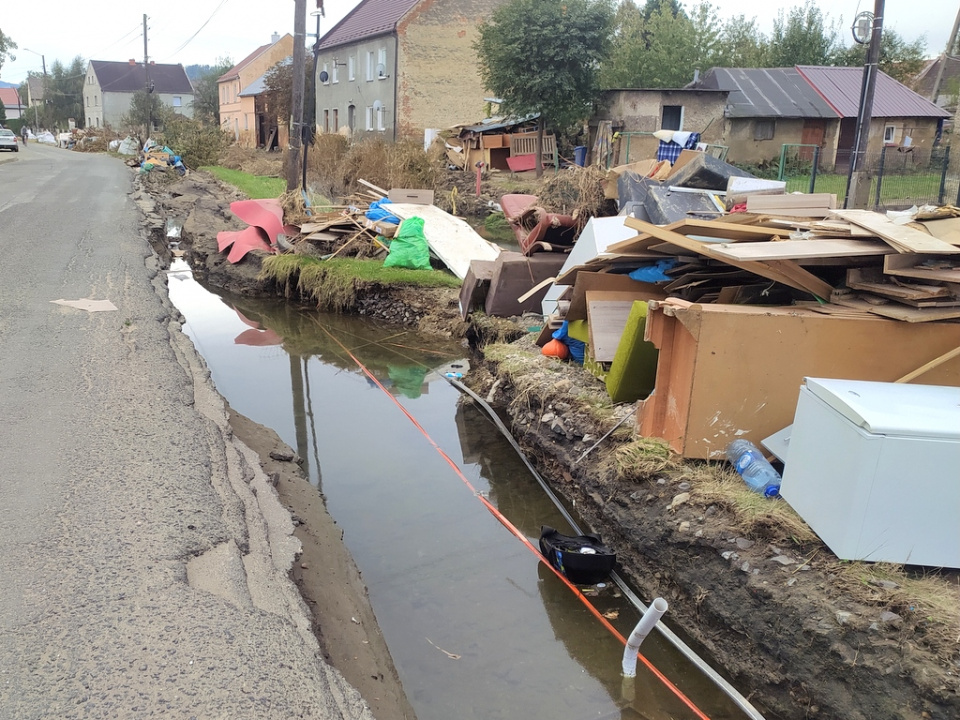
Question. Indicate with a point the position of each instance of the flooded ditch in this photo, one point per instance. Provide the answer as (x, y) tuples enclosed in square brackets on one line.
[(476, 625)]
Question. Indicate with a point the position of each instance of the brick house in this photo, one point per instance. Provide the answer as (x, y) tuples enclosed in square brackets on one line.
[(399, 67), (239, 88), (814, 105), (108, 89)]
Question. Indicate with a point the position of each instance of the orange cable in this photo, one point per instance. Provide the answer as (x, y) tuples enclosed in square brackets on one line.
[(516, 531)]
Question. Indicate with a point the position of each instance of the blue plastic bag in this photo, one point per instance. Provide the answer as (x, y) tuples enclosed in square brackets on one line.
[(377, 213), (576, 347), (656, 272)]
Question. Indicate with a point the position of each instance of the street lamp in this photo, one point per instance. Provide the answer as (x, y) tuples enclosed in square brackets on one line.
[(43, 61)]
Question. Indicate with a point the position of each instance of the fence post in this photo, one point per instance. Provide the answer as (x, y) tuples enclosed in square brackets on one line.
[(943, 175), (783, 152), (813, 170), (883, 157)]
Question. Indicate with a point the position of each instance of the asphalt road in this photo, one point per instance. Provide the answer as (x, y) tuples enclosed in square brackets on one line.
[(143, 554)]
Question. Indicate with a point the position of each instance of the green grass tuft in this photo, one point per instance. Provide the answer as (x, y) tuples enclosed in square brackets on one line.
[(253, 186)]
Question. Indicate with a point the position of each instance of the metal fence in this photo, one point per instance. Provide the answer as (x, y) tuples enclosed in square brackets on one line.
[(900, 177)]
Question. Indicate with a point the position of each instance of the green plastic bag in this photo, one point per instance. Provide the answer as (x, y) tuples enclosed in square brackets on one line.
[(409, 248)]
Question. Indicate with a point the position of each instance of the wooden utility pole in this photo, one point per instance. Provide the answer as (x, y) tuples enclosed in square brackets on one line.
[(292, 165), (146, 77), (858, 181), (947, 52)]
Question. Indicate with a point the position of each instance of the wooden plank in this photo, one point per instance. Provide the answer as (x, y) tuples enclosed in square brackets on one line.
[(923, 267), (379, 190), (801, 249), (757, 268), (802, 278), (902, 238), (791, 201), (872, 280), (946, 229), (930, 365), (901, 312), (452, 239), (607, 320)]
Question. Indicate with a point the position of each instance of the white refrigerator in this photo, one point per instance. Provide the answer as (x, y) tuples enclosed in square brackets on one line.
[(874, 469)]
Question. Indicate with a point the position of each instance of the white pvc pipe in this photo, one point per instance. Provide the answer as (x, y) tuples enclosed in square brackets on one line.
[(650, 618)]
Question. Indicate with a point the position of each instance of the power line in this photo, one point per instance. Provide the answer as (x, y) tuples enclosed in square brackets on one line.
[(136, 29), (190, 39)]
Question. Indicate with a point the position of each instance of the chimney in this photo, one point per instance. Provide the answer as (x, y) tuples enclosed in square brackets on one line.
[(132, 61), (154, 62), (274, 39), (696, 76)]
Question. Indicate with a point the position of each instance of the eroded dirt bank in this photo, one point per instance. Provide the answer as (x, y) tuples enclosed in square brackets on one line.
[(794, 629)]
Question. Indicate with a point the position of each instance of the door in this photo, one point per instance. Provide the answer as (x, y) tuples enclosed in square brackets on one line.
[(812, 134)]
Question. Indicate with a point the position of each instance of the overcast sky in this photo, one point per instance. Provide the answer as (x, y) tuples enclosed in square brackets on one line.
[(200, 31)]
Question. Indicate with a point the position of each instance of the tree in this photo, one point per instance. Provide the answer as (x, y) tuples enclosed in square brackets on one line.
[(63, 93), (145, 107), (541, 56), (802, 38), (898, 58), (742, 44), (206, 98), (629, 46), (278, 95), (7, 46)]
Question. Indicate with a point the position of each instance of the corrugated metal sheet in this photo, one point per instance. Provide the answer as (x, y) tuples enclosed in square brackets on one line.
[(767, 93), (369, 19), (841, 87)]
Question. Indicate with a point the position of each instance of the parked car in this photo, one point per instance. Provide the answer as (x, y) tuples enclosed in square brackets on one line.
[(8, 141)]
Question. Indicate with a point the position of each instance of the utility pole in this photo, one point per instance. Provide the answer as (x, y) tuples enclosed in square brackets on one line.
[(292, 165), (146, 75), (318, 13), (951, 41), (858, 182)]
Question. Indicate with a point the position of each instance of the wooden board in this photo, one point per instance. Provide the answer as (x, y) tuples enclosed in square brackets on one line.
[(791, 201), (873, 280), (801, 249), (901, 312), (947, 229), (912, 266), (904, 239), (607, 320), (788, 273), (451, 238)]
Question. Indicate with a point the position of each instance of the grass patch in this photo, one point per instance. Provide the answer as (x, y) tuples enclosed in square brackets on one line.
[(334, 284), (640, 459), (254, 187)]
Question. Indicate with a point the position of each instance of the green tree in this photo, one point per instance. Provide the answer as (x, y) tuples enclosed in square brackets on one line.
[(206, 98), (742, 44), (146, 108), (628, 49), (63, 93), (541, 56), (802, 38), (278, 95), (898, 58), (7, 46)]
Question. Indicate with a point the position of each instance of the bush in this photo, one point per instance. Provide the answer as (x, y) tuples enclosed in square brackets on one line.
[(197, 144)]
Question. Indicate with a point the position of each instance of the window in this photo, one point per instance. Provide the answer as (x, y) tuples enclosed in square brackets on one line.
[(889, 133), (380, 118), (370, 65), (764, 129), (96, 100), (335, 76), (672, 118), (382, 63), (369, 117), (326, 121), (336, 120), (177, 101), (352, 68)]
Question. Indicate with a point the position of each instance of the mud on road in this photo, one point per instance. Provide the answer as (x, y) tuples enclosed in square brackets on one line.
[(779, 617)]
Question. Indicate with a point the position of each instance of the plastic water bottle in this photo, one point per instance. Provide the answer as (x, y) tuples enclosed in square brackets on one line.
[(759, 475)]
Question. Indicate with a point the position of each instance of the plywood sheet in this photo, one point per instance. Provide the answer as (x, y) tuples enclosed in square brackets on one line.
[(897, 311), (607, 320), (930, 267), (902, 238), (452, 239), (802, 249)]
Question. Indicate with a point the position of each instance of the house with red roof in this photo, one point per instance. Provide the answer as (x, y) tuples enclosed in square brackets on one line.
[(818, 106), (108, 89), (396, 68), (12, 103), (239, 88)]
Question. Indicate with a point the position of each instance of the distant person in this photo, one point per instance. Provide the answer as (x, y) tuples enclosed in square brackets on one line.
[(25, 133)]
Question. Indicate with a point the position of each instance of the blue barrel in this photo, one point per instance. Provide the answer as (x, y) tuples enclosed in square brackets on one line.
[(580, 155)]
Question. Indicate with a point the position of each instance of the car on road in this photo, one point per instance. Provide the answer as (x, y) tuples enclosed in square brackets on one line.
[(8, 141)]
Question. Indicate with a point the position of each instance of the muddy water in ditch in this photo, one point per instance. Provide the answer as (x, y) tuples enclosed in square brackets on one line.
[(477, 627)]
